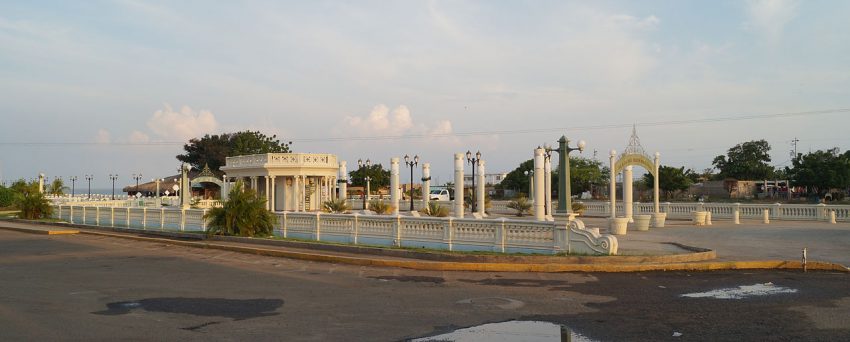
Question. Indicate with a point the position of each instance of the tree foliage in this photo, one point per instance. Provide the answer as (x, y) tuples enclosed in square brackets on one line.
[(213, 149), (380, 177), (31, 202), (8, 197), (671, 180), (821, 170), (243, 214), (746, 161), (57, 187), (584, 172)]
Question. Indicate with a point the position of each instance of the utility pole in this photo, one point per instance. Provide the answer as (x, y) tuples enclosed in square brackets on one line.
[(794, 142)]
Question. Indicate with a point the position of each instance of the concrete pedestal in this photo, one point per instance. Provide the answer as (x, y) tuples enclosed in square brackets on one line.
[(641, 222), (658, 220), (707, 218), (618, 225), (698, 218)]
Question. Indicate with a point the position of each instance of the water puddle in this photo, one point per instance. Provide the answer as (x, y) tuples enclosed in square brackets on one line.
[(236, 309), (741, 292), (530, 331)]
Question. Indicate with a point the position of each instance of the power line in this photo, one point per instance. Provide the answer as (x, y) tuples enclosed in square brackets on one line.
[(481, 133)]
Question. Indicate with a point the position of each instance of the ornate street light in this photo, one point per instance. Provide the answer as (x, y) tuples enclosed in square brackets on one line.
[(73, 183), (411, 164), (137, 176), (360, 166), (89, 178), (565, 203), (113, 178), (473, 161)]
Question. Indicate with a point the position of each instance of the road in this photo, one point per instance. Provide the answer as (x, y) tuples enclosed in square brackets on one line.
[(86, 287)]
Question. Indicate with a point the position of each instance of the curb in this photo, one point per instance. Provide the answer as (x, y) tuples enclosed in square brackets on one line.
[(43, 231)]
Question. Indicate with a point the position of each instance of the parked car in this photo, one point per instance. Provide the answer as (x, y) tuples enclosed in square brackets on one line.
[(440, 195)]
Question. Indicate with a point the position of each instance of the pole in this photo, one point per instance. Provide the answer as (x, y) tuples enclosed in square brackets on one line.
[(458, 201), (655, 185), (411, 188), (539, 196), (613, 186)]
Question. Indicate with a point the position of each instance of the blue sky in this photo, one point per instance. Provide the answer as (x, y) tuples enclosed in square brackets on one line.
[(111, 85)]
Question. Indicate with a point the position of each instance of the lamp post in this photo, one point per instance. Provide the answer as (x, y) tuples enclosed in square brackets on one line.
[(473, 161), (89, 178), (564, 193), (411, 164), (360, 167), (530, 175), (113, 178), (73, 183), (137, 176)]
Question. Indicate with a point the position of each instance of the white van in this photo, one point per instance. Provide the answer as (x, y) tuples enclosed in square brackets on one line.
[(440, 195)]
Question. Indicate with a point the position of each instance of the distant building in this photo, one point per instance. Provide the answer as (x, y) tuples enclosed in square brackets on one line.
[(490, 178)]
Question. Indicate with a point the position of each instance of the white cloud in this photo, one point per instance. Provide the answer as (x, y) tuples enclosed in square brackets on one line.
[(103, 137), (138, 138), (182, 125), (632, 22), (382, 122), (769, 17)]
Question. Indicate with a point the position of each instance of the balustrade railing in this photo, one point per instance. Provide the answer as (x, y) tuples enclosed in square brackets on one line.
[(801, 212)]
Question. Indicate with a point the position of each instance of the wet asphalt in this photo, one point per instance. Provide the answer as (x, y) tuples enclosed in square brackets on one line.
[(83, 287)]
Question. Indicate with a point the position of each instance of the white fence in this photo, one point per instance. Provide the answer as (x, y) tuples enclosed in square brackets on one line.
[(778, 211), (498, 235)]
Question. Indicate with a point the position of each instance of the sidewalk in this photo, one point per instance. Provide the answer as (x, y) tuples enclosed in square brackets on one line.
[(648, 251)]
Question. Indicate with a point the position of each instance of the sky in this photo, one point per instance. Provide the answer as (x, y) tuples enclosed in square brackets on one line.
[(115, 87)]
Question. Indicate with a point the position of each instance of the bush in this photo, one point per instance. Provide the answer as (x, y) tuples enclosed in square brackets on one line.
[(578, 207), (381, 207), (243, 214), (435, 209), (8, 197), (34, 205), (338, 206), (522, 205)]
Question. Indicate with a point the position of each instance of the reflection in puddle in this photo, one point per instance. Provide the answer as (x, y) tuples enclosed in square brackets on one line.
[(532, 331), (742, 292), (236, 309)]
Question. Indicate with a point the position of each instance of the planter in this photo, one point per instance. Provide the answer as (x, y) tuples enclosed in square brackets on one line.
[(642, 222), (658, 220), (698, 218), (618, 226)]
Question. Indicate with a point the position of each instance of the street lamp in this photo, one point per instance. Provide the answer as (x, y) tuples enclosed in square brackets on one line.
[(411, 163), (473, 161), (89, 178), (73, 182), (564, 193), (360, 166), (137, 177), (113, 178)]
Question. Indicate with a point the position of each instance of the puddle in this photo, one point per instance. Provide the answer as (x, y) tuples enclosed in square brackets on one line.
[(531, 331), (742, 292), (236, 309)]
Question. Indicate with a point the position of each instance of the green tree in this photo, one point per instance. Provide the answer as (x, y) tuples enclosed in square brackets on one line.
[(670, 181), (746, 161), (517, 179), (57, 187), (243, 214), (821, 171), (584, 174), (213, 149), (30, 200), (8, 197), (380, 177)]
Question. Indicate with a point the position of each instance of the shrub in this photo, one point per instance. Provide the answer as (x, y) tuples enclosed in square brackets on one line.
[(435, 209), (243, 214), (34, 205), (8, 197), (578, 207), (381, 207), (522, 205), (338, 206)]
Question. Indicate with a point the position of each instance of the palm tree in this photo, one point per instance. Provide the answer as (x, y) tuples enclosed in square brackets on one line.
[(521, 205), (33, 204), (243, 214)]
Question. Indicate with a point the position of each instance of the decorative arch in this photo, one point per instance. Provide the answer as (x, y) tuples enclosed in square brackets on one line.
[(634, 154)]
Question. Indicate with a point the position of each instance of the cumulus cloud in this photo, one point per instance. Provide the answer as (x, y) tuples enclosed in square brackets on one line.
[(182, 125), (632, 22), (138, 138), (769, 17), (383, 121), (103, 136)]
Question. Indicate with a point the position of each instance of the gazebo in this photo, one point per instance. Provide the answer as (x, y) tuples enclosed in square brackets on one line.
[(288, 181)]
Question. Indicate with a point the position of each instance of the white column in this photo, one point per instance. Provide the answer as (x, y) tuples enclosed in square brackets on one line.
[(547, 181), (655, 182), (343, 181), (41, 183), (321, 193), (539, 196), (479, 192), (426, 184), (272, 194), (627, 192), (224, 189), (299, 193), (458, 203), (394, 181), (612, 195), (266, 194)]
